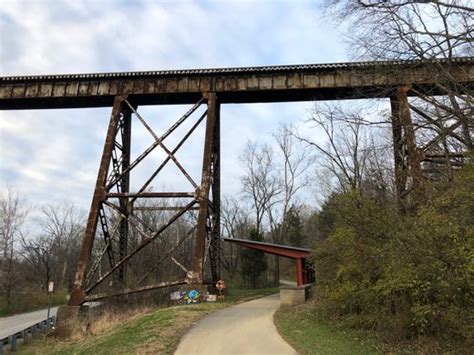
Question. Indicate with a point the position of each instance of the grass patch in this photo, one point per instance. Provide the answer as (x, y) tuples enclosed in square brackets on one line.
[(301, 327), (157, 331), (309, 333), (31, 300), (242, 295)]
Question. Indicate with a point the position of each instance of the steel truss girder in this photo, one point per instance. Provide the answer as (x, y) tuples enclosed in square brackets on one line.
[(114, 173)]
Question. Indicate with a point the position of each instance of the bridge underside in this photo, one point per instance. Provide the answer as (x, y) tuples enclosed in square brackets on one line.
[(117, 213), (234, 85)]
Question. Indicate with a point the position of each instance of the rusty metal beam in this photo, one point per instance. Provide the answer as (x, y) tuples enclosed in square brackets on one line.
[(78, 295), (414, 154), (163, 208), (156, 143), (152, 194), (143, 244), (126, 138), (196, 275), (163, 146), (400, 168), (116, 158), (178, 146), (215, 206), (130, 291), (106, 234), (167, 255), (233, 85)]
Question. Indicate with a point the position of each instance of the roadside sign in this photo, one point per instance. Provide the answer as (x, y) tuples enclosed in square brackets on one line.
[(50, 291), (176, 296)]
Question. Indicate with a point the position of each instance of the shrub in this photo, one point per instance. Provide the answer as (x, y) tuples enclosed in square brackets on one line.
[(407, 275)]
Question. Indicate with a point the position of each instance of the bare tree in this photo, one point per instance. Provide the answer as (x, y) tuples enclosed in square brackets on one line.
[(235, 224), (38, 253), (293, 162), (348, 153), (273, 180), (13, 213), (53, 253), (260, 183), (407, 29), (424, 30)]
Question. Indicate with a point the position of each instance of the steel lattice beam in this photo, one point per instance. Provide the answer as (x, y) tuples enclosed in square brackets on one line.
[(113, 192)]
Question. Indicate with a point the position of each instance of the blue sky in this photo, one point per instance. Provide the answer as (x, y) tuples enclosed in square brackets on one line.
[(53, 155)]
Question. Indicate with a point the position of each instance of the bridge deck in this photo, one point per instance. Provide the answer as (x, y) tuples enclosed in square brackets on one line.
[(233, 85)]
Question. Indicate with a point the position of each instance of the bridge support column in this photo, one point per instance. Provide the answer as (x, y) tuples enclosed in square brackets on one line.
[(208, 215), (78, 295), (113, 209), (299, 272), (407, 157), (215, 237), (124, 186)]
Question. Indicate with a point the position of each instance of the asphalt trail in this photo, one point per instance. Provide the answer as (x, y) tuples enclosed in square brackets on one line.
[(16, 323), (246, 328)]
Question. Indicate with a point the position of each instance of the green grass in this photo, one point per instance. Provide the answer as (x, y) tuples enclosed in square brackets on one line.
[(241, 295), (31, 300), (157, 332), (301, 327)]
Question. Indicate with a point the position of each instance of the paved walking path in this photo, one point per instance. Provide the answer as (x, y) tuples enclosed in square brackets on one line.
[(246, 328), (14, 324)]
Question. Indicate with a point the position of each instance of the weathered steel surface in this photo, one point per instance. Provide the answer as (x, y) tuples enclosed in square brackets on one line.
[(195, 276), (78, 295), (232, 85), (215, 207), (142, 245), (115, 173), (124, 185), (130, 291)]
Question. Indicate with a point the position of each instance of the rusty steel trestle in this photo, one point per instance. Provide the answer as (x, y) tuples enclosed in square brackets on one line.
[(114, 174)]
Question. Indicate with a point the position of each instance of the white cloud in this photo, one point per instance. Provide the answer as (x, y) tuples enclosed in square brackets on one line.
[(54, 155)]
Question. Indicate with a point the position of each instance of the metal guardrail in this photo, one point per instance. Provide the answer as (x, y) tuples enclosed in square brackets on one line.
[(25, 334)]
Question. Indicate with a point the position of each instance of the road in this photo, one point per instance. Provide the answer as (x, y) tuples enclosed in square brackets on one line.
[(13, 324), (246, 328)]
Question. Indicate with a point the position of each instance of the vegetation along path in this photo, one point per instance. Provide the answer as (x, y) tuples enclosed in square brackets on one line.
[(246, 328)]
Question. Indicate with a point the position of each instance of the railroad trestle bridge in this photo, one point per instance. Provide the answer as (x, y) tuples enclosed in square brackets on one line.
[(126, 92)]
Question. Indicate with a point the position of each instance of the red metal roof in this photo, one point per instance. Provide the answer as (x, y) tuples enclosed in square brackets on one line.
[(286, 251)]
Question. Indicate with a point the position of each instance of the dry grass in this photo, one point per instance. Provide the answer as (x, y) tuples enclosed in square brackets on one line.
[(96, 322), (136, 331)]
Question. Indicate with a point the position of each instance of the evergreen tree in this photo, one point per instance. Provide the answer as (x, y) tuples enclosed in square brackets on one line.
[(293, 227), (254, 262)]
